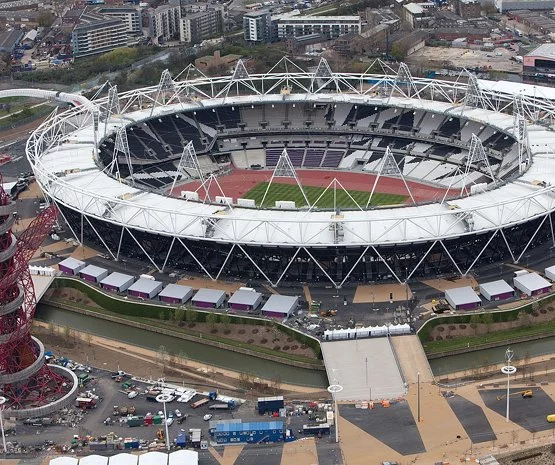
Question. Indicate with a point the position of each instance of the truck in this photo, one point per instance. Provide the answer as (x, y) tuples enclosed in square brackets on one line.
[(229, 405), (270, 404), (440, 306), (316, 430), (85, 403), (200, 403)]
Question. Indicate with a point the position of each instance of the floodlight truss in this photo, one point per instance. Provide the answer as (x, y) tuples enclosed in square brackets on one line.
[(521, 131), (188, 161), (404, 85), (539, 202), (166, 93), (284, 169), (121, 147)]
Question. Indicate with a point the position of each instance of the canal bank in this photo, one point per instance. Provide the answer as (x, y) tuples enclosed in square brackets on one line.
[(205, 355)]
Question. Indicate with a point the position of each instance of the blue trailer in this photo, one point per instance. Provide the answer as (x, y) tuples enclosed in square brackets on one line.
[(270, 404), (250, 432)]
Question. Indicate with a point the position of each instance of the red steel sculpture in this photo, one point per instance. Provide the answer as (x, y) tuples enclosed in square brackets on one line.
[(25, 380)]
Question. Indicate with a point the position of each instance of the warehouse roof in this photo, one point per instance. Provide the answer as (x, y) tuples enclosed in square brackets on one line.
[(462, 295), (280, 304), (209, 295), (145, 285), (544, 50), (72, 263), (244, 297), (116, 279), (250, 426), (496, 287), (93, 270), (176, 291), (532, 281)]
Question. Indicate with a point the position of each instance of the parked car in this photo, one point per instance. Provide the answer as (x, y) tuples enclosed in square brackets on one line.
[(207, 417)]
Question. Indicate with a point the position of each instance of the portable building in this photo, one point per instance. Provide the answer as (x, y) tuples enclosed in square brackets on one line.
[(245, 300), (532, 284), (93, 274), (280, 306), (463, 298), (550, 273), (71, 266), (117, 282), (145, 288), (209, 298), (497, 290), (176, 294), (249, 432), (270, 404)]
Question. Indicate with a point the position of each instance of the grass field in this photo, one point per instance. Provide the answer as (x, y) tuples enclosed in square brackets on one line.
[(291, 192)]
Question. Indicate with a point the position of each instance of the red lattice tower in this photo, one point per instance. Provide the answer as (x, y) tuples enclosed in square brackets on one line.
[(25, 380)]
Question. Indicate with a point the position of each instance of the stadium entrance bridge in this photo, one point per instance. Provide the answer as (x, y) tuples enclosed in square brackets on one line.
[(111, 164)]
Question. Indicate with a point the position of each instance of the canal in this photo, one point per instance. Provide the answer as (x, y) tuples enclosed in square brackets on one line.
[(494, 356), (197, 352)]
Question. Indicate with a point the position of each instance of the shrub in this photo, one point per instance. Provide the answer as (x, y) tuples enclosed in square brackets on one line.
[(462, 326), (263, 340), (294, 347), (254, 331), (241, 331), (250, 341), (285, 347), (276, 348)]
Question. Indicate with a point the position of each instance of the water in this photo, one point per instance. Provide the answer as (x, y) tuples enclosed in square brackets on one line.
[(494, 356), (197, 352)]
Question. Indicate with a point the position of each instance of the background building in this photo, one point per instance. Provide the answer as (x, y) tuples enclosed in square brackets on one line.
[(130, 16), (328, 26), (163, 22), (98, 36), (506, 5), (202, 25), (257, 27), (541, 59), (467, 8)]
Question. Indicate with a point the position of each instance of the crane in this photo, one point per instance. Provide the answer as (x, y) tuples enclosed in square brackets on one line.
[(526, 394)]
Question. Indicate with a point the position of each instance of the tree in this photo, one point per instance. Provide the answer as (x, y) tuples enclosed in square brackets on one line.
[(212, 319), (398, 52), (45, 18), (487, 319), (191, 315), (225, 320), (179, 315), (162, 355), (474, 321)]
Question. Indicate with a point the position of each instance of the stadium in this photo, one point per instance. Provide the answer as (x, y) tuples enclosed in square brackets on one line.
[(306, 176)]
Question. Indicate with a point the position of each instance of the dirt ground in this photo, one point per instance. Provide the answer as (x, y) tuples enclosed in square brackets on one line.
[(465, 58), (261, 336), (380, 293)]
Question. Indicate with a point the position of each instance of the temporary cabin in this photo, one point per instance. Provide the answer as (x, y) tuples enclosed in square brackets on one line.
[(245, 300), (209, 298), (176, 294), (93, 273), (280, 306), (463, 298), (117, 282), (145, 288), (532, 284), (249, 432), (550, 273), (71, 266), (496, 290)]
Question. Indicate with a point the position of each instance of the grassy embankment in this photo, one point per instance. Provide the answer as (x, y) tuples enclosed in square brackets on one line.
[(170, 319)]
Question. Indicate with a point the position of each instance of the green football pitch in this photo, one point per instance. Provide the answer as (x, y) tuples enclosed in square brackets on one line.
[(292, 192)]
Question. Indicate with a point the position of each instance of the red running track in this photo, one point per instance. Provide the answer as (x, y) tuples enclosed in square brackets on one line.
[(239, 182)]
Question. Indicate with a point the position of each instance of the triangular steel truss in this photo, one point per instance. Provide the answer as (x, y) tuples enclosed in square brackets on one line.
[(188, 161), (207, 184), (112, 106), (121, 146), (240, 78), (389, 168), (404, 83), (322, 77), (477, 158), (284, 169), (520, 130), (167, 91), (474, 96)]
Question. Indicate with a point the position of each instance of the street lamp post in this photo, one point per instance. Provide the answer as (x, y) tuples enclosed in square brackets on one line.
[(509, 370), (418, 396), (3, 400), (163, 398), (334, 389)]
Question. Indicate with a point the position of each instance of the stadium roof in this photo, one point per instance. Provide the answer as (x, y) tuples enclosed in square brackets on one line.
[(175, 216)]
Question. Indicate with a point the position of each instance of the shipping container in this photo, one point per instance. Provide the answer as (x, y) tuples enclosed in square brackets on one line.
[(270, 404)]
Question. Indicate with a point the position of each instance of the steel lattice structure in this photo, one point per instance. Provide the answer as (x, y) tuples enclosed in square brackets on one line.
[(501, 221), (27, 383)]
